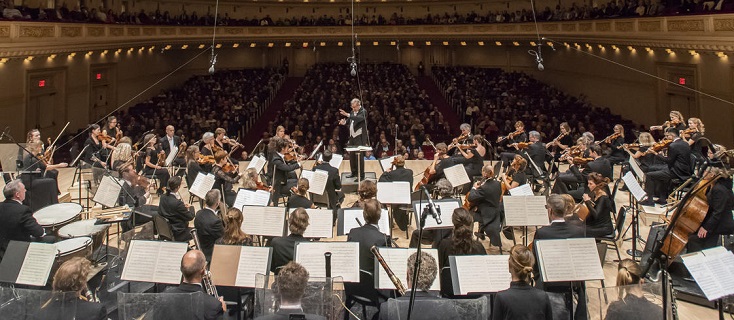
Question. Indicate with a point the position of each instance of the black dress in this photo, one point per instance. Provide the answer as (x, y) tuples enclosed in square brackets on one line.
[(599, 221), (299, 201), (521, 301), (633, 308)]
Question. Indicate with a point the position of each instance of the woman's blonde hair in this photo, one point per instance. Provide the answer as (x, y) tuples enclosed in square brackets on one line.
[(521, 262), (628, 273), (233, 233), (699, 124)]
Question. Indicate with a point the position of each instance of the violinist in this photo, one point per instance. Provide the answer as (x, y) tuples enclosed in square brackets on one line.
[(123, 152), (281, 168), (36, 147), (600, 205), (251, 181), (647, 160), (577, 174), (39, 178), (172, 142), (536, 152), (272, 142), (225, 143), (112, 130), (694, 132), (562, 142), (615, 142), (208, 149), (515, 175), (678, 161), (676, 121), (225, 176), (192, 164), (155, 162), (441, 161), (486, 195), (134, 193), (469, 156), (464, 138), (718, 220), (299, 198), (93, 153), (518, 135)]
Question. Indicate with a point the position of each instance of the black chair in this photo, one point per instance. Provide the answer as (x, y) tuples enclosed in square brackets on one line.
[(162, 228), (611, 239), (363, 293)]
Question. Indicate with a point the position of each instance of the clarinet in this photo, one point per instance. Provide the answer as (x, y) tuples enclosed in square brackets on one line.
[(211, 289), (398, 285)]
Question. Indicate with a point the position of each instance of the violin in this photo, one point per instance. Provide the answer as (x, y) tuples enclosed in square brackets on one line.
[(161, 162), (635, 145), (659, 146), (610, 138), (181, 148), (468, 205), (118, 135), (572, 152), (521, 145), (103, 137), (204, 160), (142, 182), (688, 132), (48, 155), (559, 137), (580, 161), (511, 135), (262, 186), (229, 168)]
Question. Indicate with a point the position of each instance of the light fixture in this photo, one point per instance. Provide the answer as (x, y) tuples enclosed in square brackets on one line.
[(392, 43), (3, 60), (235, 45), (601, 47), (498, 43), (323, 44), (305, 44), (104, 52), (480, 43), (446, 43), (693, 52), (52, 56), (219, 45), (338, 43), (252, 45), (201, 46), (359, 43), (270, 44), (375, 43), (428, 43), (463, 43), (648, 49), (721, 54), (669, 51), (515, 43), (410, 43), (29, 58), (550, 44), (614, 47), (287, 44), (532, 43), (168, 47), (89, 53), (118, 51), (566, 44), (151, 48)]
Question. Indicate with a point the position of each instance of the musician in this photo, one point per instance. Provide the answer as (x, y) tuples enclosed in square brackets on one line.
[(178, 213), (369, 234), (647, 160), (536, 152), (718, 220), (291, 283), (366, 190), (93, 153), (693, 134), (515, 176), (469, 156), (633, 305), (441, 161), (272, 142), (356, 121), (123, 152), (209, 227), (251, 180), (192, 164), (209, 146), (486, 197), (678, 162), (299, 198), (193, 268), (676, 121), (521, 300), (333, 183), (18, 221), (460, 243), (615, 142), (284, 247), (36, 147), (155, 162), (463, 138), (517, 136), (225, 143), (425, 302), (225, 176), (172, 142), (40, 177), (71, 296), (134, 193), (400, 173), (598, 164), (601, 207), (281, 169), (233, 234), (112, 129), (562, 142)]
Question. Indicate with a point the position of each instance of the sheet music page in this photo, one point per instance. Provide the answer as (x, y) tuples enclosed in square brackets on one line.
[(320, 223), (37, 264), (397, 259), (386, 163), (698, 265), (252, 260), (141, 260), (482, 273), (351, 215), (316, 181), (168, 262), (393, 192), (336, 160), (726, 276), (202, 184), (521, 211), (569, 260), (636, 168), (631, 182), (344, 259), (446, 207), (263, 221), (456, 175), (171, 156), (108, 191), (587, 265), (523, 190), (245, 197), (257, 163)]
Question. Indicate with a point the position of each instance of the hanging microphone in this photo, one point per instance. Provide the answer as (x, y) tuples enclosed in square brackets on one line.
[(354, 69), (5, 133), (436, 214), (213, 62), (538, 57)]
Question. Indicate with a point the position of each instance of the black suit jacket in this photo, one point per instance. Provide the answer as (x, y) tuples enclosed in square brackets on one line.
[(719, 219), (560, 230), (487, 198), (17, 224), (128, 194), (399, 174), (599, 165), (332, 184), (175, 211), (367, 236), (299, 201), (359, 121), (164, 143), (70, 307), (209, 228), (679, 159), (280, 173), (205, 306), (284, 250), (521, 301), (537, 152)]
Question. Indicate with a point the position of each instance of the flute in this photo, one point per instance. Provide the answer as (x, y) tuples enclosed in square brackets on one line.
[(398, 285)]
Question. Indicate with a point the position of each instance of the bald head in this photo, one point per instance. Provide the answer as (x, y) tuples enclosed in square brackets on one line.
[(192, 266)]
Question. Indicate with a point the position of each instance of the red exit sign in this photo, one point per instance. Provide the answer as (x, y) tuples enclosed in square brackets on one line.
[(98, 76), (682, 81), (41, 83)]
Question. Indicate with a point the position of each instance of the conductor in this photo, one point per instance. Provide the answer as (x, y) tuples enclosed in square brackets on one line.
[(357, 136)]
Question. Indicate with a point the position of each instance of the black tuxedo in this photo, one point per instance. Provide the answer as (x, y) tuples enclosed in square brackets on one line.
[(178, 216), (678, 167), (209, 228), (399, 174), (426, 307), (299, 201), (440, 166), (284, 314), (166, 146), (333, 184), (599, 165), (281, 185), (367, 236), (358, 122), (537, 153), (69, 306), (284, 250), (718, 218), (205, 307), (487, 199), (17, 224), (521, 301)]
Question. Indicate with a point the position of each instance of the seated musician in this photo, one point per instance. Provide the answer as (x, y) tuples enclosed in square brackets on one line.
[(193, 268), (676, 121), (600, 205), (71, 296), (18, 221), (299, 198), (178, 213), (192, 164), (515, 175), (469, 156), (366, 190), (155, 162), (35, 146), (537, 153), (333, 184), (251, 180), (718, 220), (562, 142), (568, 179), (400, 173), (291, 283), (521, 300), (460, 243), (226, 175), (282, 168), (695, 131), (284, 247), (369, 234), (134, 193), (633, 305), (171, 141), (678, 160), (464, 138), (209, 226), (209, 145), (112, 129), (511, 139), (445, 191), (598, 164), (647, 160), (40, 177), (486, 197), (617, 154), (424, 308), (123, 153), (441, 161), (225, 143), (94, 154), (233, 234)]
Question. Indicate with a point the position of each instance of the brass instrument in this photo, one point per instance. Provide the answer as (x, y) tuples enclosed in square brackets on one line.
[(398, 285), (211, 289)]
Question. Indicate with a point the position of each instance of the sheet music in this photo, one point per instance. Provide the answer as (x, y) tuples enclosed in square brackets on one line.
[(393, 192), (171, 156), (336, 160), (316, 180), (521, 211), (446, 207), (257, 162), (108, 191), (480, 273), (456, 175), (386, 163), (263, 221), (320, 223), (713, 271), (246, 197), (344, 259), (154, 261), (634, 187), (252, 260), (351, 215), (636, 168), (569, 260), (202, 184), (169, 262), (37, 264), (523, 190), (397, 259)]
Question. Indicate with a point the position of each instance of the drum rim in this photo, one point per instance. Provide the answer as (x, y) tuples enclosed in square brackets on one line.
[(87, 243), (64, 235)]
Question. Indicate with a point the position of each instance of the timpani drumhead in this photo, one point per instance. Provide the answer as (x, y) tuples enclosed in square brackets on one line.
[(83, 228), (69, 246), (57, 214)]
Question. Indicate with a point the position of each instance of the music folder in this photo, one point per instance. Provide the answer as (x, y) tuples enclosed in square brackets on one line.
[(344, 259), (264, 221), (393, 192), (446, 207), (236, 266), (154, 261), (569, 260), (320, 223), (108, 191), (522, 211), (350, 218), (27, 263), (202, 184), (713, 270), (479, 274), (397, 260)]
